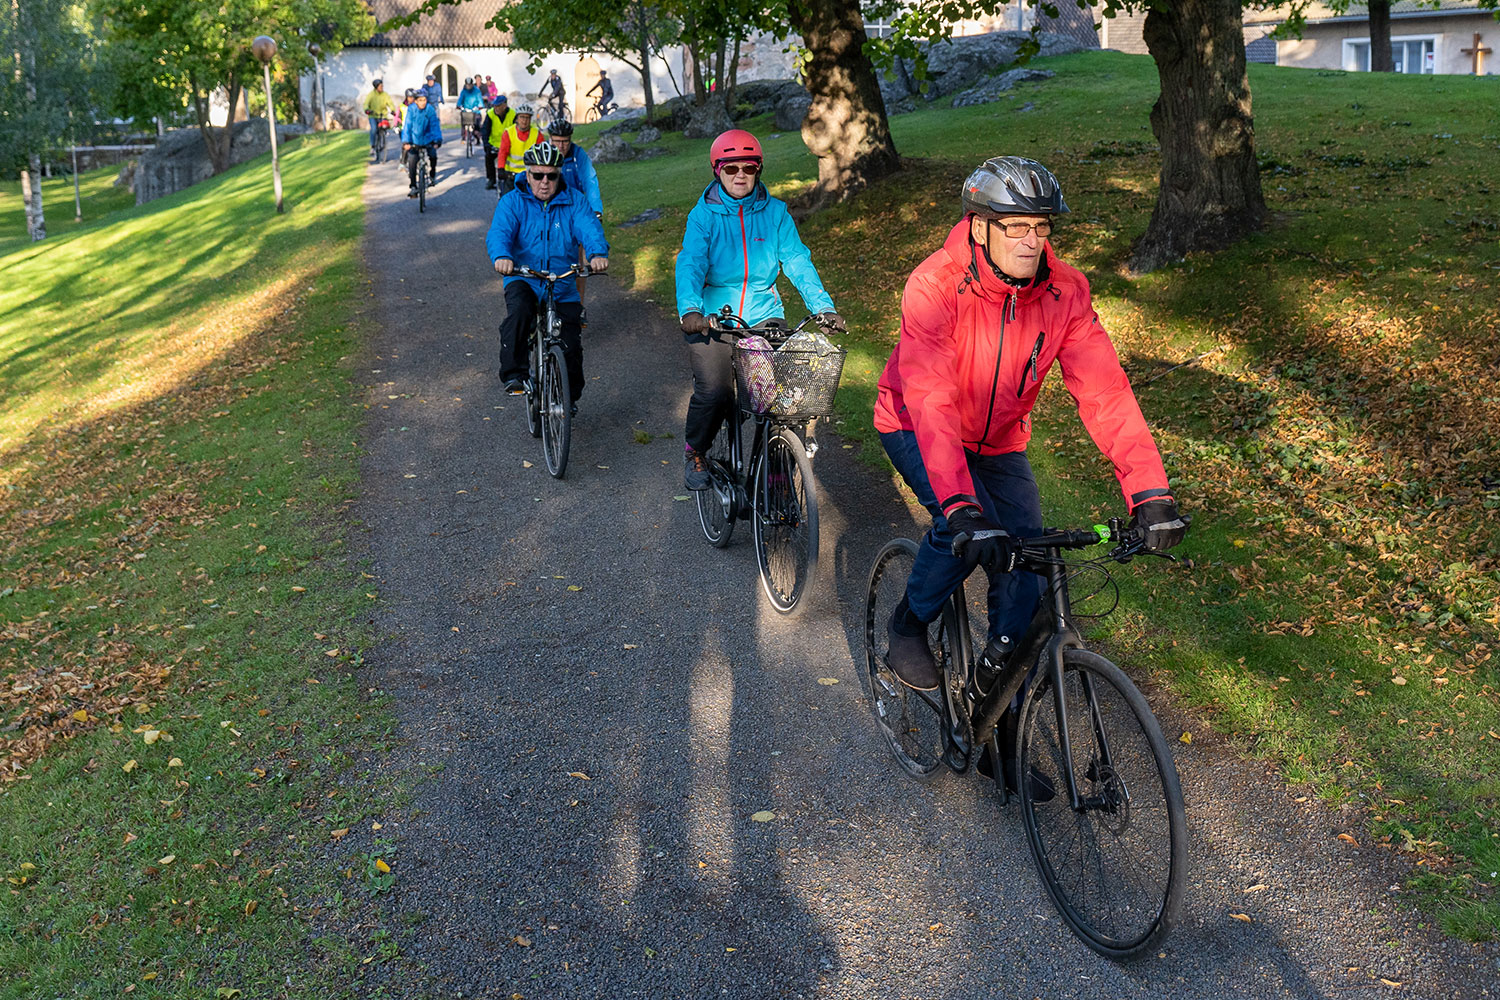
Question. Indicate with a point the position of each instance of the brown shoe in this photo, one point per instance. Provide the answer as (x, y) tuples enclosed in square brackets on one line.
[(910, 659)]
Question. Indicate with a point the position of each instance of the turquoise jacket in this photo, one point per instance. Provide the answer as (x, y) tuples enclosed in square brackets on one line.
[(733, 251), (469, 99)]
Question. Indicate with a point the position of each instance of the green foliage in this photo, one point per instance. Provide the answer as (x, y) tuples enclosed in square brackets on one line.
[(628, 30), (51, 58)]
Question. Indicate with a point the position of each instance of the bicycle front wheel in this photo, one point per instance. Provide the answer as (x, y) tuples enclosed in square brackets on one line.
[(716, 505), (914, 723), (421, 180), (786, 520), (1116, 866), (591, 115), (557, 412), (379, 145)]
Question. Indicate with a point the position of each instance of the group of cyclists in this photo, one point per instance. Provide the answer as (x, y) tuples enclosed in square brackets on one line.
[(984, 319)]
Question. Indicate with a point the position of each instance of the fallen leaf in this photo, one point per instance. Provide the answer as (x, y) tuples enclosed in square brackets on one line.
[(228, 993), (1348, 839), (1398, 680), (682, 497), (631, 645), (764, 816), (175, 762), (382, 867), (149, 976), (167, 860), (524, 942), (340, 833), (579, 774), (81, 715), (151, 736), (128, 766), (251, 906), (128, 838), (376, 826), (1257, 887), (574, 587), (1389, 982), (299, 590), (1243, 917), (525, 464), (331, 652), (828, 681), (1185, 738)]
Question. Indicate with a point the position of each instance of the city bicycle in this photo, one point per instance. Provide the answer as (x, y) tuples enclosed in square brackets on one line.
[(468, 123), (781, 392), (1099, 793), (382, 128), (549, 398), (424, 162)]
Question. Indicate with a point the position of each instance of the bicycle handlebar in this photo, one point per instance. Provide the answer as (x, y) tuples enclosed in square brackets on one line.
[(1130, 541), (522, 271), (725, 321)]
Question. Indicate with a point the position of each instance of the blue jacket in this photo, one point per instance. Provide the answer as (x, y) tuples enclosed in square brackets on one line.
[(469, 99), (733, 251), (545, 235), (421, 126), (434, 92), (578, 172)]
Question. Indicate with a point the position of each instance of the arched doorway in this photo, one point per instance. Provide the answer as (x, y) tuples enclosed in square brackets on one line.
[(585, 75)]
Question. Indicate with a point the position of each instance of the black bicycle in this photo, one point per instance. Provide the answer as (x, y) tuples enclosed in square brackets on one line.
[(598, 110), (553, 109), (1099, 792), (423, 182), (549, 398), (781, 392), (469, 125), (382, 128)]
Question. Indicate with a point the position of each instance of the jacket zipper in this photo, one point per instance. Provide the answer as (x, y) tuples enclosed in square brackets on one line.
[(745, 242), (995, 381), (1031, 366)]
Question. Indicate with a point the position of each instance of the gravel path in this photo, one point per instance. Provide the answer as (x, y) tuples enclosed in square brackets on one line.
[(600, 702)]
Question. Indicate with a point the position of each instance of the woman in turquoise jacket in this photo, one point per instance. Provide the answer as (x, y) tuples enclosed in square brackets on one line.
[(738, 240)]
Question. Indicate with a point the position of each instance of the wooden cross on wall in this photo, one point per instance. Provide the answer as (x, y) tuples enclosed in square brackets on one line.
[(1478, 54)]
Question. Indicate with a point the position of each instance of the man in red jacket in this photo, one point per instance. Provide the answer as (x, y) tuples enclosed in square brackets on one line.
[(982, 322)]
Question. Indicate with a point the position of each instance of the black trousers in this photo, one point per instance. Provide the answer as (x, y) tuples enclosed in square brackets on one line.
[(515, 335), (490, 153), (411, 163), (713, 389)]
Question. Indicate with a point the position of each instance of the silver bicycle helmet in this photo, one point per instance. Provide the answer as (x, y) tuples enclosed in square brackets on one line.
[(1012, 185), (543, 154), (524, 109)]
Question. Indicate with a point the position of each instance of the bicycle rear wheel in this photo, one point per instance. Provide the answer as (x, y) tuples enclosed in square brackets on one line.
[(379, 144), (1115, 868), (785, 520), (591, 115), (421, 179), (716, 505), (557, 412), (914, 723)]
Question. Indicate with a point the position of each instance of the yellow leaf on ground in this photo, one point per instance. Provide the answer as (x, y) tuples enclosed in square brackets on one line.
[(167, 860), (631, 645), (574, 587), (375, 826), (175, 762), (81, 715), (764, 816), (828, 681), (128, 766), (1185, 738), (1398, 680), (331, 652), (340, 833), (149, 976), (1348, 839), (579, 774), (129, 837), (525, 464), (299, 590), (1243, 917), (1390, 982), (251, 906), (382, 867), (524, 942), (151, 736)]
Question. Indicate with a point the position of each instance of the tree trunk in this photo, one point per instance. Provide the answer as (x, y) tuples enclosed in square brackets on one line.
[(718, 81), (732, 79), (1209, 192), (644, 40), (846, 127), (31, 195), (1380, 37)]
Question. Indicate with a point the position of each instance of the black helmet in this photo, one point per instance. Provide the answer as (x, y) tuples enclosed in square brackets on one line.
[(411, 93), (560, 126), (378, 82), (543, 154), (1012, 185)]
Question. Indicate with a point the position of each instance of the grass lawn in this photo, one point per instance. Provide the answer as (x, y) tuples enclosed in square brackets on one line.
[(1338, 442), (180, 622), (97, 196)]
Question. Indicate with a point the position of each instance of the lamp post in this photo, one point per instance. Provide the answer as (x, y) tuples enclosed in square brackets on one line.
[(319, 96), (264, 48)]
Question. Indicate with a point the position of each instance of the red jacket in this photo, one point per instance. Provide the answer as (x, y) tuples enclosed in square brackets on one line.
[(971, 359)]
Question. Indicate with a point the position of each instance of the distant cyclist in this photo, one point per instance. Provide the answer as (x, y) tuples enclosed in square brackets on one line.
[(433, 90), (470, 98), (983, 320), (541, 225), (492, 125), (557, 100), (514, 142), (378, 104), (606, 93), (420, 132), (738, 240)]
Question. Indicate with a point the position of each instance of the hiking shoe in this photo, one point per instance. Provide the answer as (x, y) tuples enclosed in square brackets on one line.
[(695, 472), (411, 192), (909, 658), (490, 186)]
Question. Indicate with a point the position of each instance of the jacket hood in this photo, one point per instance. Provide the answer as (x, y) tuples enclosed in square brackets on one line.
[(716, 199), (970, 258)]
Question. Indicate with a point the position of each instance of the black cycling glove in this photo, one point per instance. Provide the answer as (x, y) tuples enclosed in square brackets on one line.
[(979, 542), (1164, 526), (832, 321), (693, 323)]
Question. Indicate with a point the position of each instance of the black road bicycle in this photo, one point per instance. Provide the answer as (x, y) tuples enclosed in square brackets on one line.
[(781, 392), (469, 123), (549, 399), (1100, 797), (598, 110), (553, 109)]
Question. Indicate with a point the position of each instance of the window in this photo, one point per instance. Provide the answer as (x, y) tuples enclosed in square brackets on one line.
[(447, 77), (1408, 54)]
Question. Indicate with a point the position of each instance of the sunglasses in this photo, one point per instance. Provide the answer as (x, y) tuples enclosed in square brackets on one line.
[(730, 169), (548, 176)]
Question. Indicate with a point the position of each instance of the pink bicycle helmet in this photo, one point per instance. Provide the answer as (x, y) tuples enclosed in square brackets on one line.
[(736, 144)]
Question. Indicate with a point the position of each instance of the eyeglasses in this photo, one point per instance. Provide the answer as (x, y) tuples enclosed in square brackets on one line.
[(547, 176), (730, 169), (1018, 230)]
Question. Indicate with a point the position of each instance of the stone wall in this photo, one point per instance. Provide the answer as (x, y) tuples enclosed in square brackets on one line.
[(180, 158)]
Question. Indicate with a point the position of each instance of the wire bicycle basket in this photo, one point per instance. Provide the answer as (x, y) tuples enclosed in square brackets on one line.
[(789, 381)]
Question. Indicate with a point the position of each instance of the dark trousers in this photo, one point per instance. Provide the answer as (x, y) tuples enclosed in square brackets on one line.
[(411, 163), (490, 153), (1007, 491), (713, 389), (515, 335)]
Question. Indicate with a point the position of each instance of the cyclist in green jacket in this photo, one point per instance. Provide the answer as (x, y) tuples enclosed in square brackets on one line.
[(378, 105)]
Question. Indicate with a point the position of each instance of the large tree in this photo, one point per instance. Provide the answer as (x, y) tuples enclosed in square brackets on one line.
[(187, 51)]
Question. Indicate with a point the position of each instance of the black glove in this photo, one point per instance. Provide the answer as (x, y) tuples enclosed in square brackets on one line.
[(978, 542), (1164, 526), (833, 321), (694, 323)]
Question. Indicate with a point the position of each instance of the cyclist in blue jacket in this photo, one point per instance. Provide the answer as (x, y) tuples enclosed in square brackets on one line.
[(577, 168), (470, 98), (541, 224), (421, 128), (738, 240)]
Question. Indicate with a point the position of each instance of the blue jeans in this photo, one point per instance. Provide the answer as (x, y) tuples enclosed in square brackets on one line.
[(1007, 491), (374, 127)]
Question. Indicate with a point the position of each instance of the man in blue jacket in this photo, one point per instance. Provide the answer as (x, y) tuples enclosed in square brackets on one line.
[(433, 90), (541, 224), (738, 240), (421, 128)]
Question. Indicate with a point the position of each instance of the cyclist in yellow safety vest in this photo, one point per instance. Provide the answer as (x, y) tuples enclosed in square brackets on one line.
[(492, 126), (514, 143)]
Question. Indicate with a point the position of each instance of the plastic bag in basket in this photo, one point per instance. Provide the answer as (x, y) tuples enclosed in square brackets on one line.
[(760, 374)]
